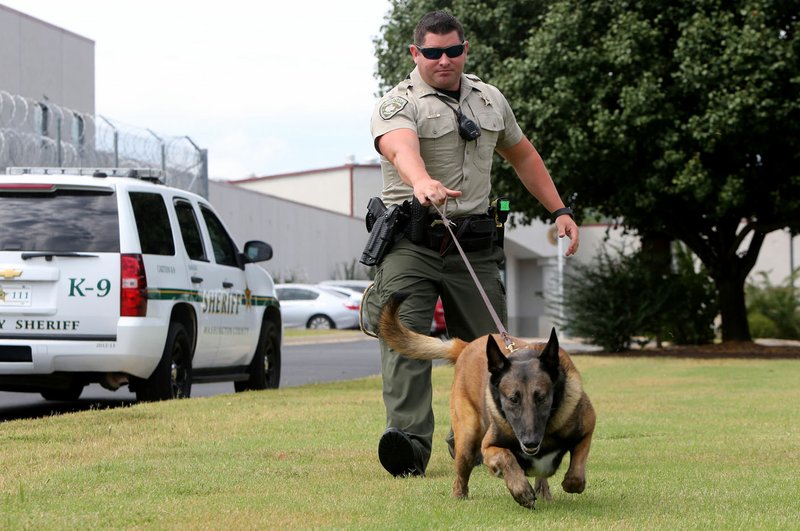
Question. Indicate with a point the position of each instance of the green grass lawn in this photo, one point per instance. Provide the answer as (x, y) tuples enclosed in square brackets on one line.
[(679, 444)]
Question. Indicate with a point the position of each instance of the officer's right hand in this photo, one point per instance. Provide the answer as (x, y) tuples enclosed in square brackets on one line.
[(429, 191)]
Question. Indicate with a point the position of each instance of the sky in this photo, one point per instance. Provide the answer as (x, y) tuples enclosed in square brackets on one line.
[(267, 87)]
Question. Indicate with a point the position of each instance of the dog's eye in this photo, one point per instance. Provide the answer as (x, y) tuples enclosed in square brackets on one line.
[(514, 399), (538, 398)]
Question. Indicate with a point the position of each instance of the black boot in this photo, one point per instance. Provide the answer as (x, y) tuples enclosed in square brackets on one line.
[(398, 454)]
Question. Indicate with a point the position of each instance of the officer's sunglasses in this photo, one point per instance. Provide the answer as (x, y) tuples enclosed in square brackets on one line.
[(436, 53)]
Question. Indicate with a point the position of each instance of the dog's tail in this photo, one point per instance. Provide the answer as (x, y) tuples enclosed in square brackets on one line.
[(412, 344)]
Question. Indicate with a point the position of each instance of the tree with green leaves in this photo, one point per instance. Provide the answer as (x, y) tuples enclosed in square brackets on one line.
[(681, 119)]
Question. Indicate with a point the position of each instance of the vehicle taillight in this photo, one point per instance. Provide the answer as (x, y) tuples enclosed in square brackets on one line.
[(351, 305), (133, 295), (28, 187)]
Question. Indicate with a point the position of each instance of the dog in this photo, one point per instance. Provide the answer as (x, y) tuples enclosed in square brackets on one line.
[(521, 412)]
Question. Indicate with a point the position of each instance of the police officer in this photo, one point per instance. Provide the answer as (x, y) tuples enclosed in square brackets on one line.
[(436, 132)]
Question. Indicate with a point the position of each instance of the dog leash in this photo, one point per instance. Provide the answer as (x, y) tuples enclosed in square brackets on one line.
[(510, 347)]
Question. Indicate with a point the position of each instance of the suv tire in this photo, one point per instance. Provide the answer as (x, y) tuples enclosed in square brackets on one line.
[(265, 369), (172, 378)]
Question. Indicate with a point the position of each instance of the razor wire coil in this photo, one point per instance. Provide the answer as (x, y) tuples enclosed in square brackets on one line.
[(41, 133)]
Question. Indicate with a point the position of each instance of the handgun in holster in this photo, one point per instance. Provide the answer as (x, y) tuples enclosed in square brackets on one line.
[(384, 226)]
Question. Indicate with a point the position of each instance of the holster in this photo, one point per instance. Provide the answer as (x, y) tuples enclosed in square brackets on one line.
[(386, 225)]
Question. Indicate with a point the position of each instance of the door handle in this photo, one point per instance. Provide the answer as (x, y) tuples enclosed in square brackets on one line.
[(227, 284), (197, 280)]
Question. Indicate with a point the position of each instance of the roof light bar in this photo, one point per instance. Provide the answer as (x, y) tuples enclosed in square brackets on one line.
[(146, 174)]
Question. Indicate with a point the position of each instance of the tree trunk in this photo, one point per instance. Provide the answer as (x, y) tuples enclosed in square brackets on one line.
[(730, 288), (657, 256)]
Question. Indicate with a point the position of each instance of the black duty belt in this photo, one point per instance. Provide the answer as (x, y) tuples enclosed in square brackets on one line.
[(475, 233)]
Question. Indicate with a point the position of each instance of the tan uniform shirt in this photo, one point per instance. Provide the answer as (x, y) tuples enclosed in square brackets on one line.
[(458, 164)]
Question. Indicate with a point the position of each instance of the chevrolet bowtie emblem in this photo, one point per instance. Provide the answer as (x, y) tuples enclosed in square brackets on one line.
[(10, 273)]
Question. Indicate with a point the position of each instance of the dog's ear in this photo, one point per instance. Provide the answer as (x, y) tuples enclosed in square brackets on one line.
[(549, 358), (498, 363)]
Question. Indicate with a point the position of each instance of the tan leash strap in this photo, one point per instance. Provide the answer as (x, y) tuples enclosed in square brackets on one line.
[(500, 328)]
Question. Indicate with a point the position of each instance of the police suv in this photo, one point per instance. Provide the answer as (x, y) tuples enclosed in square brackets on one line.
[(109, 276)]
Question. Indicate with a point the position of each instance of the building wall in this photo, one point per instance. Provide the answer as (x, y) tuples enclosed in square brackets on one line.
[(310, 244), (367, 183), (779, 255), (39, 60), (344, 189)]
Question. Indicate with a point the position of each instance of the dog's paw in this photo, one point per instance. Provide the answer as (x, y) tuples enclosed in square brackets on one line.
[(525, 497), (542, 489), (460, 491), (460, 495), (573, 484)]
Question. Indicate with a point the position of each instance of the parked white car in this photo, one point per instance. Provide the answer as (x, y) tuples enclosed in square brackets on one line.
[(438, 326), (354, 295), (309, 306), (108, 276), (356, 285)]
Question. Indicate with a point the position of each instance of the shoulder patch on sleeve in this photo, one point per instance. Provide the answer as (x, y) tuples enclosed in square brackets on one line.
[(392, 106)]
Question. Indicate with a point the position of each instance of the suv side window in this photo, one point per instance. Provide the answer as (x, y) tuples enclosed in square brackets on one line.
[(152, 223), (190, 230), (225, 252)]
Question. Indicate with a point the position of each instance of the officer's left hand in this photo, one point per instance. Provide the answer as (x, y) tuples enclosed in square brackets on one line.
[(567, 227)]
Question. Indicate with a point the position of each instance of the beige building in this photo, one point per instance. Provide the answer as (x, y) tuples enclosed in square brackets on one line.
[(343, 189)]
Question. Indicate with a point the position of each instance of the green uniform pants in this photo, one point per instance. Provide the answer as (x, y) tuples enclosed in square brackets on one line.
[(426, 275)]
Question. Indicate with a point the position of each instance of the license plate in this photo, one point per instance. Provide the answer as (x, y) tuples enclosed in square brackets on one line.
[(15, 296)]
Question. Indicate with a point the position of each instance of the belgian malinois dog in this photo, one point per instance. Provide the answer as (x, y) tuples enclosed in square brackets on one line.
[(521, 412)]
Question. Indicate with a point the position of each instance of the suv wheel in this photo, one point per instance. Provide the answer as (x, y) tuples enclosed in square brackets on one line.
[(265, 369), (172, 377)]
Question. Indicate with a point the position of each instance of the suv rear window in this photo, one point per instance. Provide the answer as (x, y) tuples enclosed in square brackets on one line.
[(65, 220)]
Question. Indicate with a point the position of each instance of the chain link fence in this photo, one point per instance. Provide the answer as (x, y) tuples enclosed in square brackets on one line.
[(40, 133)]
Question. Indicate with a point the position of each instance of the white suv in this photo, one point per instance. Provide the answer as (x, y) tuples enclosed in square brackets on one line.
[(109, 276)]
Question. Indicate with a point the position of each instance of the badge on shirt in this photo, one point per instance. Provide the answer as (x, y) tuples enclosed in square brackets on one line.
[(392, 106)]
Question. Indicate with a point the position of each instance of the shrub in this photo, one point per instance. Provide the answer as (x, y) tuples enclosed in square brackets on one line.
[(761, 325), (617, 297), (603, 301), (778, 304)]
